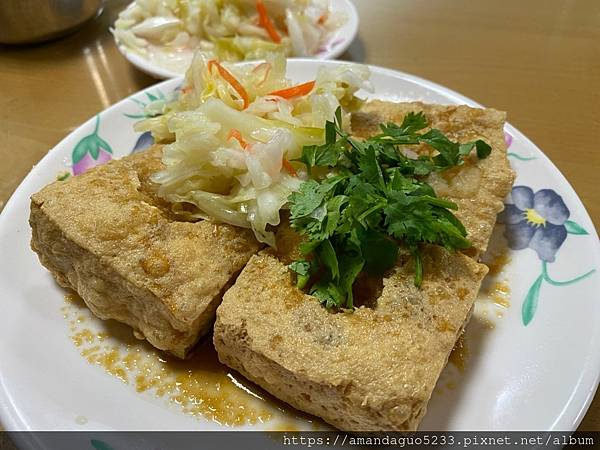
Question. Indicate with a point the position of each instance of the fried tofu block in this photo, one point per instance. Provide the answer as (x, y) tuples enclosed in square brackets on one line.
[(373, 369), (106, 235), (479, 186)]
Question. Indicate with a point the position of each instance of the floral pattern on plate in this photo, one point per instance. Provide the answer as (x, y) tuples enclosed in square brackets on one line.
[(538, 221), (508, 140), (90, 151)]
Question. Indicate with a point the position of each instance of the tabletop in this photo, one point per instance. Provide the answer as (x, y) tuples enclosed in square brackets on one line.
[(539, 61)]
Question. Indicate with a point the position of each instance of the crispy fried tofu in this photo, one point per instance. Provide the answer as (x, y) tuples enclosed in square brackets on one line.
[(375, 368), (106, 235), (479, 186), (369, 370)]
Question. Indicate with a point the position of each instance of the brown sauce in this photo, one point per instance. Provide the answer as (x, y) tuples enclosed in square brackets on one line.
[(496, 293), (460, 353), (200, 385), (495, 290), (498, 262), (500, 294)]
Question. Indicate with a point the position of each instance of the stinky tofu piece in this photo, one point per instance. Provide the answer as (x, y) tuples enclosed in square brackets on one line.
[(373, 369), (108, 236)]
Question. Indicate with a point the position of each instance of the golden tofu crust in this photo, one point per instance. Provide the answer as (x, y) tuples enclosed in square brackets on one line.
[(369, 370), (106, 235)]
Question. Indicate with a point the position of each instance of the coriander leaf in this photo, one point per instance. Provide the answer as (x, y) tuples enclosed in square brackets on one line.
[(448, 216), (365, 203), (371, 171), (423, 166), (328, 258), (449, 151), (411, 123), (330, 133), (418, 267), (302, 269), (308, 247), (379, 251), (374, 200), (338, 118), (435, 201), (334, 214), (309, 156), (306, 200), (315, 209), (465, 149), (350, 267), (388, 154), (326, 155), (328, 293), (483, 149)]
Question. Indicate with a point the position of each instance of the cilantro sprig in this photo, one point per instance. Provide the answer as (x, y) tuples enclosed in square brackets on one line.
[(370, 201)]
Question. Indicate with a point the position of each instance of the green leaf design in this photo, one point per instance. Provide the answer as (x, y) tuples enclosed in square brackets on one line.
[(531, 301), (575, 228), (93, 149), (554, 282), (140, 103), (519, 157), (100, 445), (101, 143), (90, 144), (81, 149), (135, 116), (151, 97)]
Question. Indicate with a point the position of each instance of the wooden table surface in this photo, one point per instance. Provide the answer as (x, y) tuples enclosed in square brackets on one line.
[(539, 60)]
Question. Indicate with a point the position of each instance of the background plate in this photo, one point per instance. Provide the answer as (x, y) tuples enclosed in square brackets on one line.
[(338, 43)]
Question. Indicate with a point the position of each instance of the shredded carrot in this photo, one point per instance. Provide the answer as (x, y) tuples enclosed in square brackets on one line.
[(322, 19), (267, 67), (265, 21), (238, 136), (295, 91), (231, 80), (289, 168), (186, 89)]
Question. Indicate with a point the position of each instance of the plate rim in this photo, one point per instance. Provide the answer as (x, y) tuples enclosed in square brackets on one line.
[(567, 420), (163, 73)]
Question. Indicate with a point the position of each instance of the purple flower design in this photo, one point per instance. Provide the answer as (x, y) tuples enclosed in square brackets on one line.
[(91, 151), (507, 139), (539, 221), (87, 161), (144, 141), (536, 221)]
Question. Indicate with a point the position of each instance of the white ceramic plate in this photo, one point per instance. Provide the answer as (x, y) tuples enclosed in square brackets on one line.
[(537, 369), (337, 44)]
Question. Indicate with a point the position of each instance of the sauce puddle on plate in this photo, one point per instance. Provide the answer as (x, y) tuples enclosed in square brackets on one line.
[(200, 385), (493, 299), (460, 353), (495, 289)]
